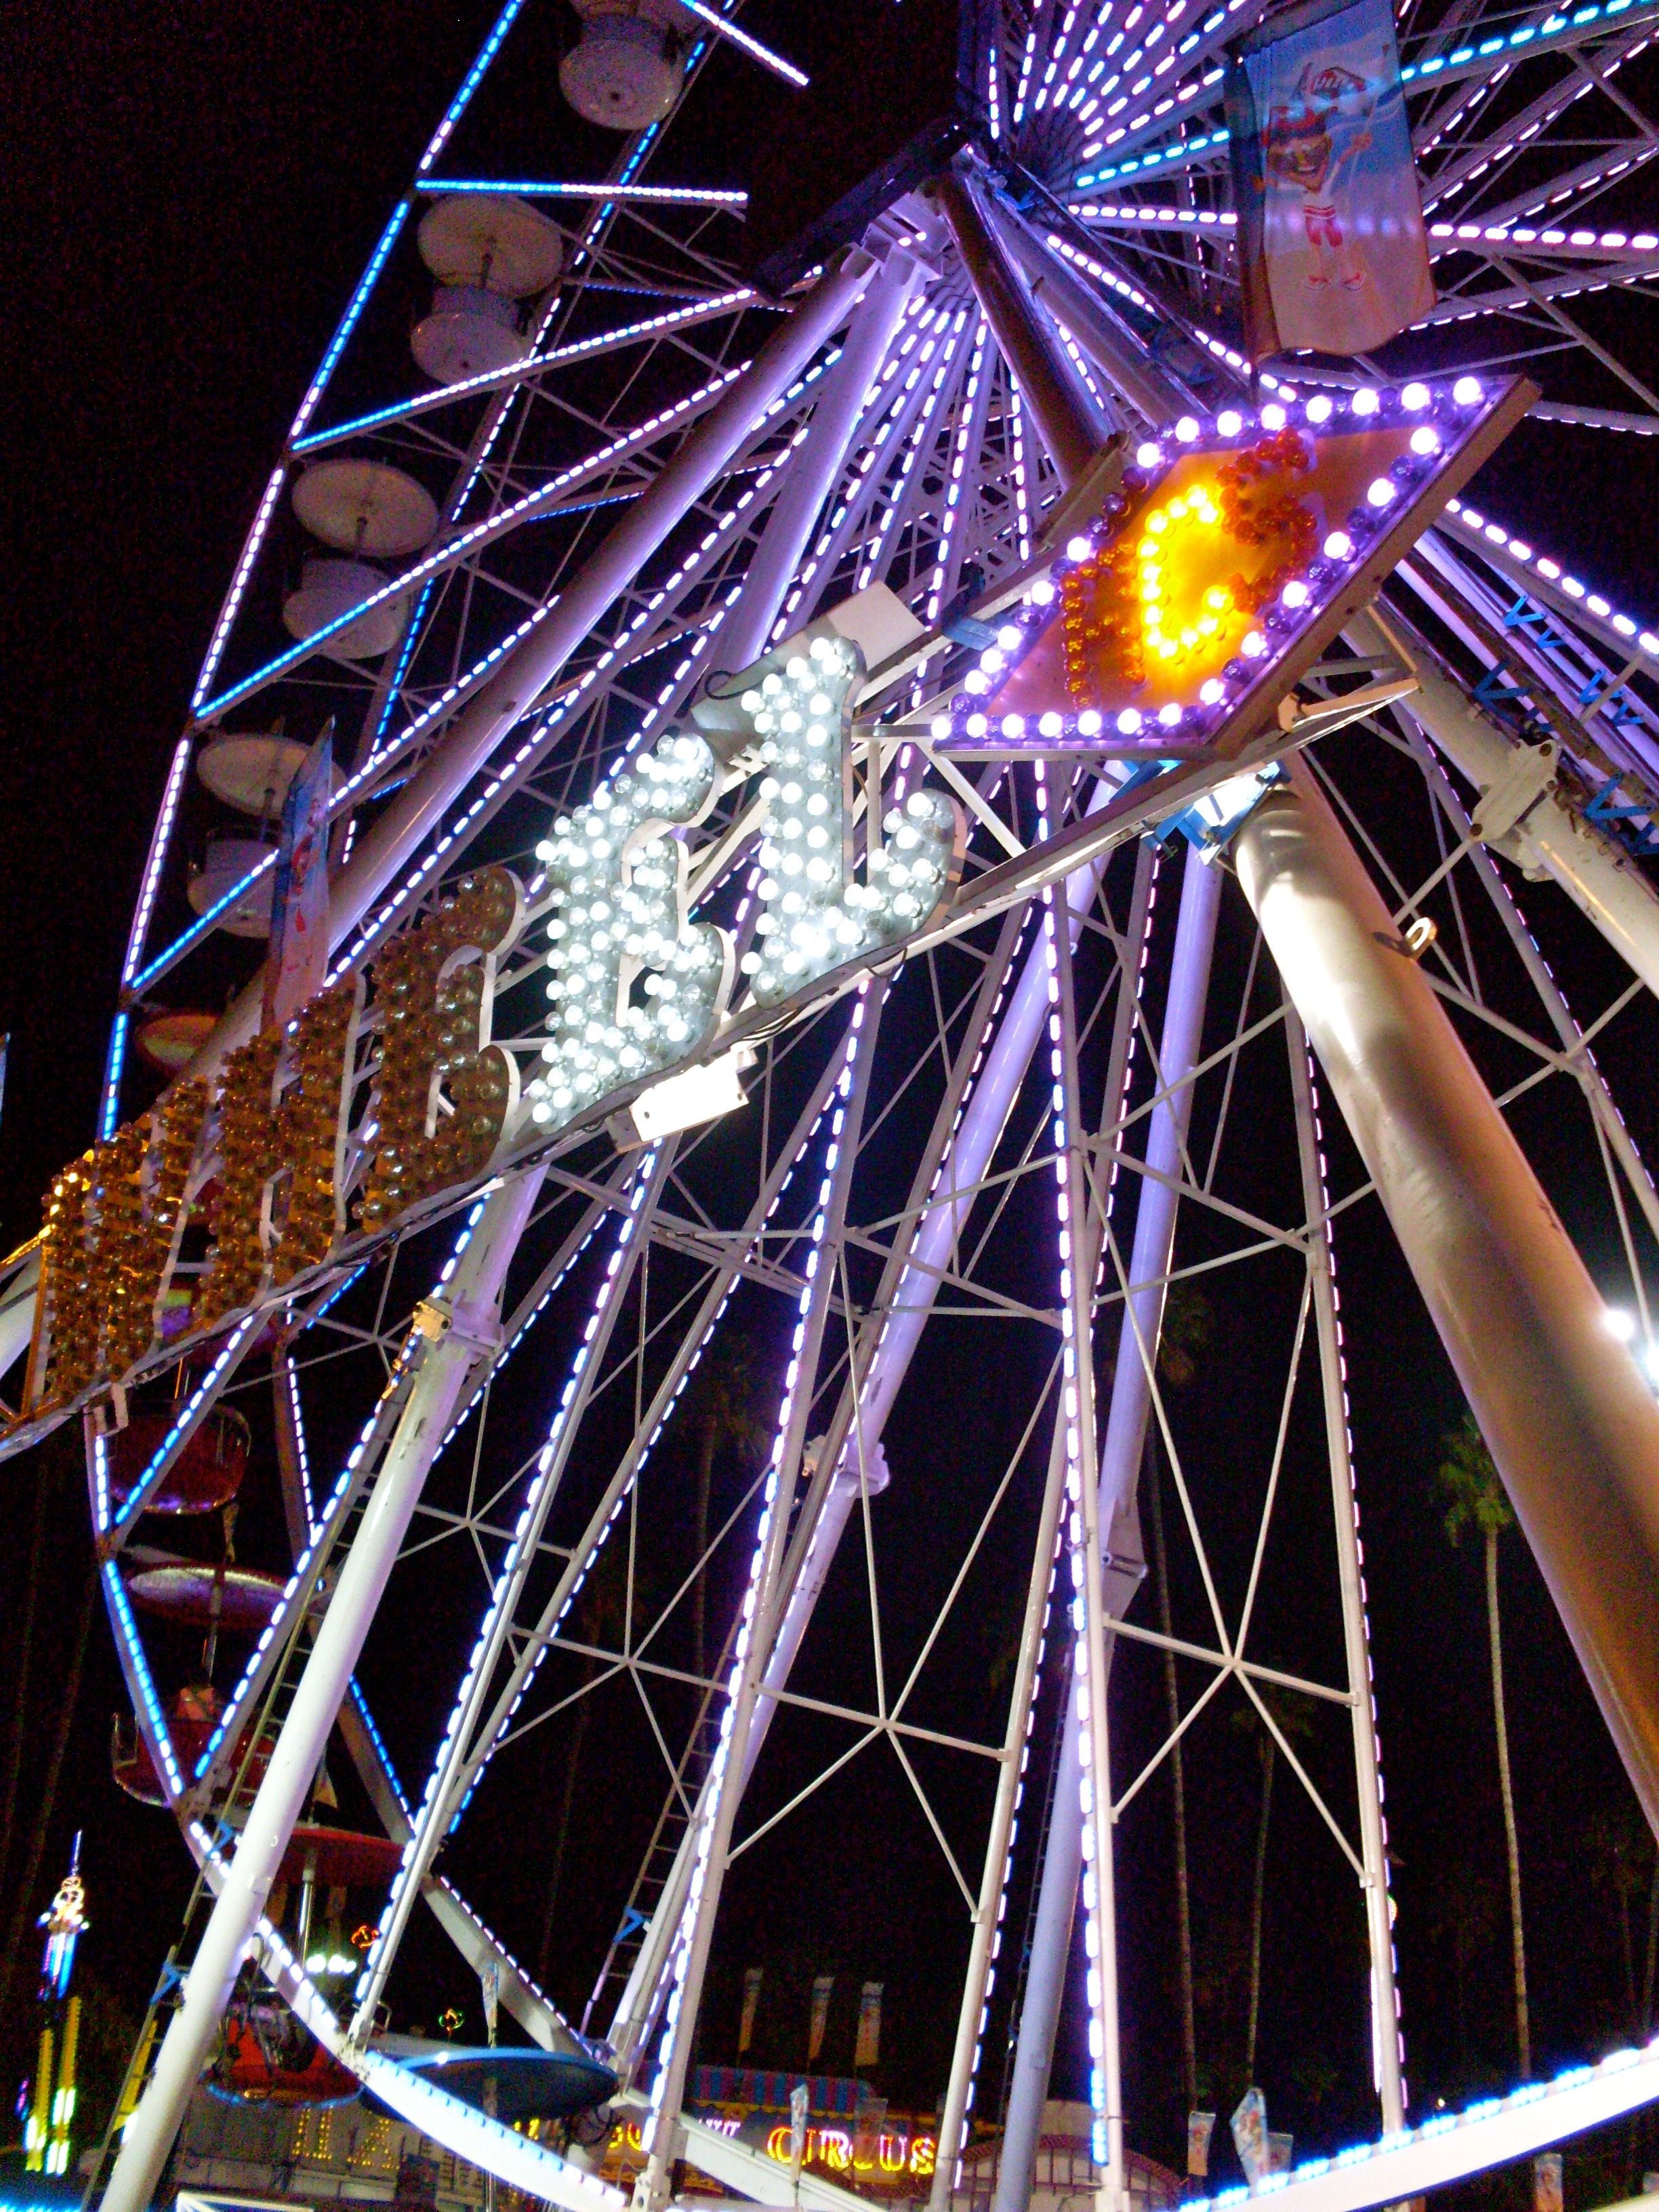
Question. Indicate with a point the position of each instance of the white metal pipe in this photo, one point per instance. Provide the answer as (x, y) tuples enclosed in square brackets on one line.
[(815, 466), (1126, 1434), (1356, 1640), (935, 1240), (717, 1814), (525, 673), (970, 2019), (1553, 838), (472, 1314), (1565, 1412)]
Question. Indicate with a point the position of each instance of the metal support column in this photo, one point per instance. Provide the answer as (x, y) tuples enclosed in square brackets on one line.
[(448, 1785), (717, 1815), (447, 1338), (1125, 1432), (1569, 1420), (970, 2019), (1386, 2046), (1066, 416), (1110, 344), (917, 1283), (1086, 1693)]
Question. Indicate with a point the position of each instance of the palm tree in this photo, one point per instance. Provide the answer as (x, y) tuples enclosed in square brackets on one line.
[(1188, 1325), (1621, 1865), (1295, 1723), (1476, 1499)]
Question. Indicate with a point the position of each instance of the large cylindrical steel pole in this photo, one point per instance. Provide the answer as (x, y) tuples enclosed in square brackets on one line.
[(468, 1317), (1066, 419), (1569, 1420), (1120, 357), (527, 670), (1120, 1462)]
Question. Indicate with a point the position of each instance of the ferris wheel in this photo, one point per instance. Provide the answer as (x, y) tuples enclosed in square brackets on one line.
[(795, 1010)]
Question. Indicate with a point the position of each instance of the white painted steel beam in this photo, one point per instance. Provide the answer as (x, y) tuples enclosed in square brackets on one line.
[(1119, 1521), (1567, 1414), (470, 1312)]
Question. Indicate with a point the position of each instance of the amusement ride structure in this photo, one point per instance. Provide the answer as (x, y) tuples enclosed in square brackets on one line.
[(732, 937)]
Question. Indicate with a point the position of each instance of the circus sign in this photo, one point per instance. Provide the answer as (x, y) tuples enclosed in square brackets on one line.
[(1206, 586)]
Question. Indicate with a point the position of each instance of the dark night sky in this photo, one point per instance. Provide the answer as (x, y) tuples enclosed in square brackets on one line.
[(192, 192)]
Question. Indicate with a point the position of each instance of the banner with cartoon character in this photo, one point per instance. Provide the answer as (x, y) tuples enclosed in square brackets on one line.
[(1333, 254)]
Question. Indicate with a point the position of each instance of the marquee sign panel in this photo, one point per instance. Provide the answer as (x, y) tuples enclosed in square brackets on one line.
[(1235, 548)]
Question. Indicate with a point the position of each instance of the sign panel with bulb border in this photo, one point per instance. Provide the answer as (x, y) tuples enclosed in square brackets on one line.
[(1236, 548), (1170, 636)]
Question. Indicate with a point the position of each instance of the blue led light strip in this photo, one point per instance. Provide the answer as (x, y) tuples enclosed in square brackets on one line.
[(1556, 31), (456, 550), (533, 365), (690, 195)]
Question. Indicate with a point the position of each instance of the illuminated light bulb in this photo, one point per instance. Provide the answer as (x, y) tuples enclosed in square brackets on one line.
[(991, 659), (974, 682), (1425, 440), (1009, 638), (976, 725), (1338, 545), (1364, 401), (1168, 715), (1050, 724), (1414, 399), (1148, 456), (1077, 549), (751, 702), (1186, 430), (1129, 721), (1212, 692), (939, 727), (1295, 594), (1468, 392), (1089, 723), (1013, 726), (1319, 409), (1229, 423), (1382, 493), (1207, 625), (1274, 416), (1217, 597), (1253, 645), (1043, 593), (1619, 1323)]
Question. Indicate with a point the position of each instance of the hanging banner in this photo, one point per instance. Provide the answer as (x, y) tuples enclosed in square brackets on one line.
[(1547, 2182), (820, 2020), (298, 960), (751, 1990), (1332, 253), (800, 2100), (1281, 2151), (868, 2049), (1200, 2126), (868, 2121), (1249, 2125)]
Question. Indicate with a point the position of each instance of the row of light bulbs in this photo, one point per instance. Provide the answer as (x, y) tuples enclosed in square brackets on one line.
[(635, 986), (814, 916)]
